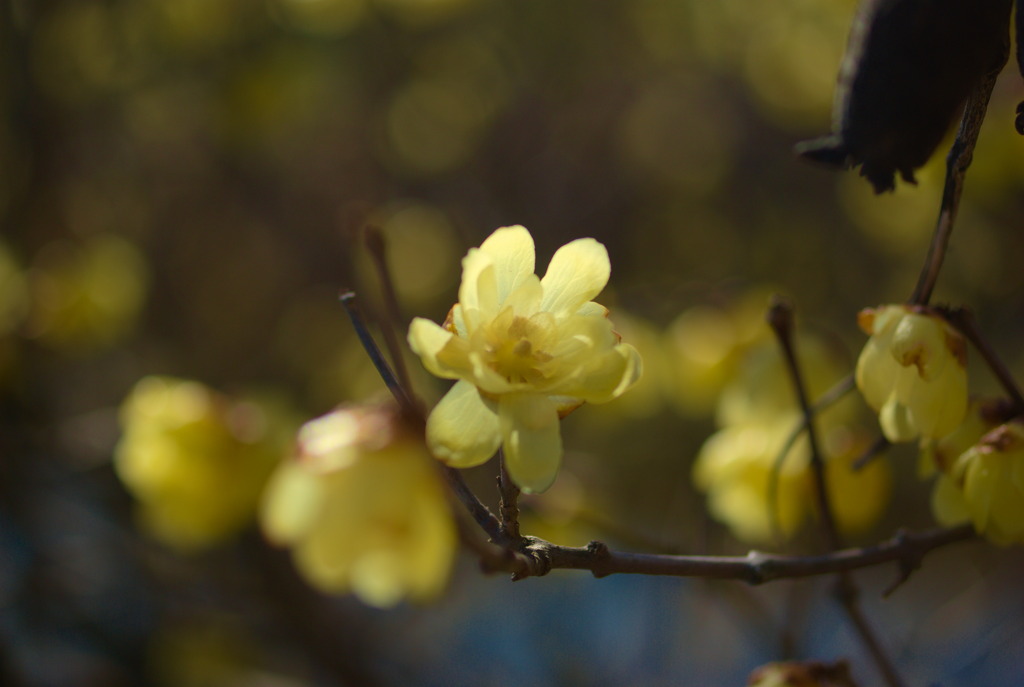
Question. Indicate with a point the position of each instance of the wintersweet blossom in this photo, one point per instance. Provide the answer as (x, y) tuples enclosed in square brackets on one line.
[(363, 508), (913, 372), (525, 352), (195, 460), (748, 489), (986, 486)]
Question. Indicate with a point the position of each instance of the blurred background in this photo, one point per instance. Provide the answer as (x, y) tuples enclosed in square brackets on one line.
[(183, 187)]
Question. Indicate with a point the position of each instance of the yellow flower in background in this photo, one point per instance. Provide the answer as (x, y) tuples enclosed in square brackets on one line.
[(735, 468), (195, 461), (706, 344), (363, 508), (913, 372), (986, 486), (748, 488), (86, 295), (525, 351)]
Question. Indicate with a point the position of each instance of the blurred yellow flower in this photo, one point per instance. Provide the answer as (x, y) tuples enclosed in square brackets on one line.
[(195, 460), (706, 344), (86, 295), (363, 508), (525, 351), (738, 467), (986, 486), (912, 371)]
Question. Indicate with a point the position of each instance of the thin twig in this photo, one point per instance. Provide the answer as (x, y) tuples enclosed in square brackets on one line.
[(780, 317), (876, 449), (508, 508), (377, 247), (957, 162), (348, 301), (963, 319), (477, 510), (833, 395), (754, 568)]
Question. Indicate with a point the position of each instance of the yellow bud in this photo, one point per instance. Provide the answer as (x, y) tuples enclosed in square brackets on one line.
[(991, 477), (913, 372)]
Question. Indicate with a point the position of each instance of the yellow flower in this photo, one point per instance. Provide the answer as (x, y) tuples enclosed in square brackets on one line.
[(738, 465), (525, 351), (913, 372), (987, 486), (194, 460), (363, 508), (86, 295)]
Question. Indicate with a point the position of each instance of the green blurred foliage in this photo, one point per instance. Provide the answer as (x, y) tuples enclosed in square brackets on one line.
[(184, 183)]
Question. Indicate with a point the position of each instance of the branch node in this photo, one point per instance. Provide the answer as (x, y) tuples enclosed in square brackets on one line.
[(600, 553), (758, 563), (538, 557)]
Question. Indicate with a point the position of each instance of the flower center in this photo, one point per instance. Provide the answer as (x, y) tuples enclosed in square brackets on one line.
[(516, 351)]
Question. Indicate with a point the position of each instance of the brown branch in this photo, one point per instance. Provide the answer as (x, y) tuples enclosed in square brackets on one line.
[(906, 548), (963, 319), (833, 395), (377, 247), (508, 508), (957, 162), (780, 317)]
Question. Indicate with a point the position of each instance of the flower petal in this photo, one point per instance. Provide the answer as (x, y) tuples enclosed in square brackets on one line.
[(532, 440), (291, 502), (512, 252), (462, 430), (578, 271), (478, 292), (443, 353)]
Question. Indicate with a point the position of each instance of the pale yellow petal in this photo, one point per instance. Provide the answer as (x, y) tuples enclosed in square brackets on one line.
[(512, 252), (897, 421), (478, 292), (463, 430), (443, 354), (578, 272), (291, 502), (940, 406), (948, 504), (876, 371), (605, 377), (532, 440)]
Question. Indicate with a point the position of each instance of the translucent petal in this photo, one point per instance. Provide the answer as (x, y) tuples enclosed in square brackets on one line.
[(941, 405), (948, 504), (463, 430), (578, 271), (979, 488), (897, 422), (443, 353), (478, 292), (605, 377), (512, 253), (531, 439), (876, 372)]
